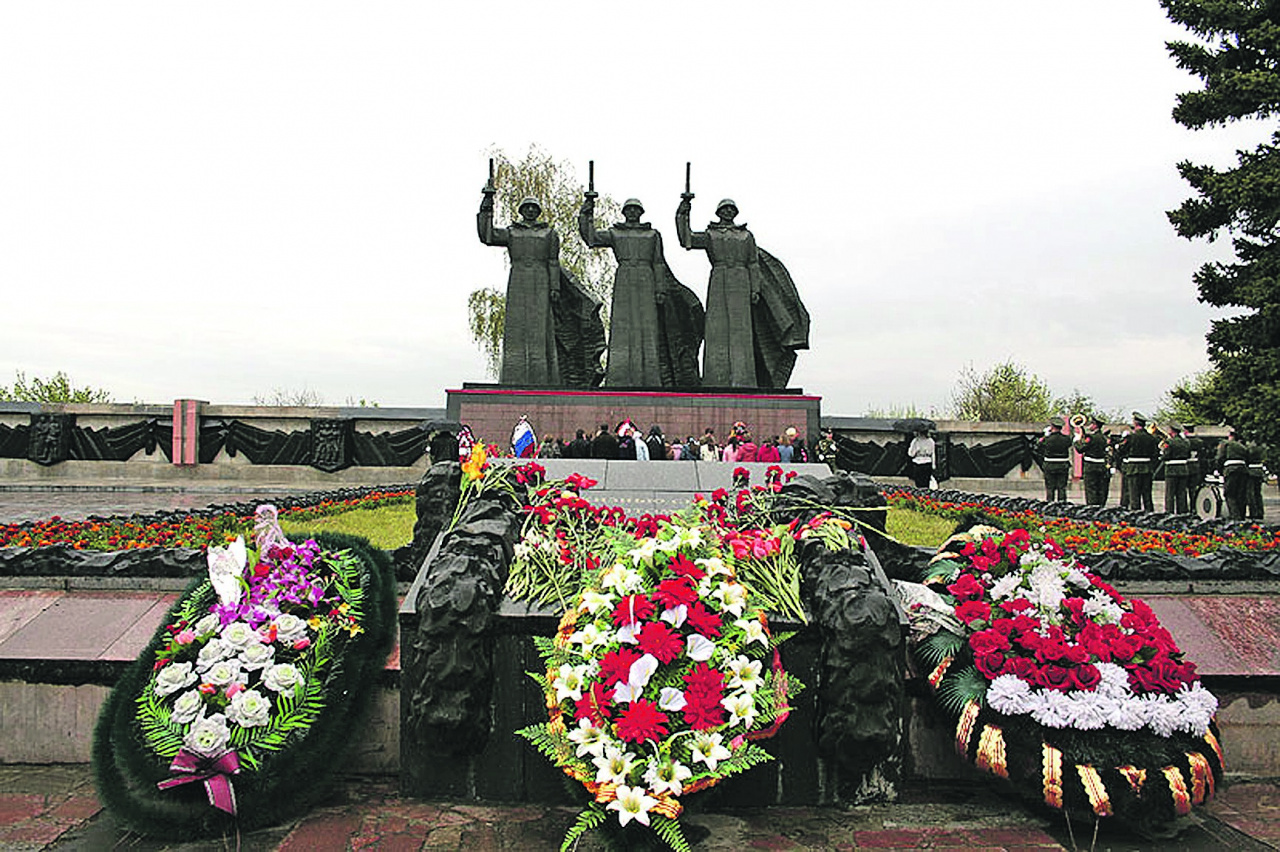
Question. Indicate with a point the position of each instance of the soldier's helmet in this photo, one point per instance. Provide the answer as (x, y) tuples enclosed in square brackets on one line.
[(537, 208), (728, 202)]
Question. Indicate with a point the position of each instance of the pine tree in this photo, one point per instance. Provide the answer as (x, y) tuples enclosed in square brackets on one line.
[(1237, 55)]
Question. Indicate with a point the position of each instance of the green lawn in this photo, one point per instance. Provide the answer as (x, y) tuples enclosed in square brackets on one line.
[(387, 527), (390, 527)]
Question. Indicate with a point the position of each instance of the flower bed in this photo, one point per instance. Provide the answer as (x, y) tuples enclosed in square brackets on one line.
[(1118, 543), (1060, 685), (197, 529), (236, 713)]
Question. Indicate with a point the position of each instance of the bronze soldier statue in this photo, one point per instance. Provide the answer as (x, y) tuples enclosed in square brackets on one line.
[(656, 322), (755, 319)]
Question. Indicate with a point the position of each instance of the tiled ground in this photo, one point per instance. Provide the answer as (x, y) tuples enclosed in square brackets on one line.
[(54, 807)]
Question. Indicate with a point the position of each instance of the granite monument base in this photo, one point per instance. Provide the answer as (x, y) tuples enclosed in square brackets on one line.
[(492, 411)]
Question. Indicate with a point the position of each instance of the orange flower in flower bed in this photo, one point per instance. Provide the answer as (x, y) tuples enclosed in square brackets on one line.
[(1092, 536)]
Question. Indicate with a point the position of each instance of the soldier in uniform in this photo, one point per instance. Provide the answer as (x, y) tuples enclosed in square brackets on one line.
[(1139, 451), (1233, 463), (826, 449), (1175, 452), (1092, 446), (1055, 452), (1257, 473), (1195, 464)]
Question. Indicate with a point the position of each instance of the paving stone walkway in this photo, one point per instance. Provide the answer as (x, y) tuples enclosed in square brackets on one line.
[(54, 807)]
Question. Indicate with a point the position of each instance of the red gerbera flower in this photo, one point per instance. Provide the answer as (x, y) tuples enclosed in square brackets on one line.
[(642, 720), (615, 666), (675, 591), (703, 621), (632, 608), (594, 704), (660, 640), (683, 566), (702, 713)]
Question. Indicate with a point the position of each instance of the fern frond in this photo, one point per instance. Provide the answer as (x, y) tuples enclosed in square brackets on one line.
[(592, 816), (669, 831)]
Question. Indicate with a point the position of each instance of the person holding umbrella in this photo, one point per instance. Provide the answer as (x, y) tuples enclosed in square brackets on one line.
[(922, 452)]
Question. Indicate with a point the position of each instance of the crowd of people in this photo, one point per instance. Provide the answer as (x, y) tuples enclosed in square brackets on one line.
[(626, 441)]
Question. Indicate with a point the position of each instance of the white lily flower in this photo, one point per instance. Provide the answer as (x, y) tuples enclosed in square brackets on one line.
[(667, 776), (569, 681), (732, 597), (741, 707), (628, 633), (589, 739), (621, 579), (589, 637), (632, 804), (754, 630), (643, 552), (593, 601), (706, 748), (745, 674), (613, 766)]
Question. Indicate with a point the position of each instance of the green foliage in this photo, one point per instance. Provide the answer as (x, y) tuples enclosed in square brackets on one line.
[(1235, 57), (1195, 399), (958, 689), (1078, 402), (56, 388), (1006, 392), (556, 187), (900, 412), (940, 646), (669, 830), (592, 816)]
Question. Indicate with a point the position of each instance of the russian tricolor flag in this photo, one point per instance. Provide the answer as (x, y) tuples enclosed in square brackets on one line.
[(523, 442)]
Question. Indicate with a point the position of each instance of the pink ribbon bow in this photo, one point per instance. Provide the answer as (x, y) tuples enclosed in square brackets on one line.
[(215, 772)]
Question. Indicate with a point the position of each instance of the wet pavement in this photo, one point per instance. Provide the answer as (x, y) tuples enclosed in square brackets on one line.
[(54, 807)]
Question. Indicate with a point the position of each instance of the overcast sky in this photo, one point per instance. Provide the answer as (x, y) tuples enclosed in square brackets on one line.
[(216, 200)]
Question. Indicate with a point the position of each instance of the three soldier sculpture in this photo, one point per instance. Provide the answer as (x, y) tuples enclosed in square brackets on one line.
[(752, 325)]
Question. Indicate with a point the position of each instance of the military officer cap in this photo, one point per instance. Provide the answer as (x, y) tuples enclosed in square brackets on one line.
[(1056, 422), (633, 202), (1097, 421), (1139, 418)]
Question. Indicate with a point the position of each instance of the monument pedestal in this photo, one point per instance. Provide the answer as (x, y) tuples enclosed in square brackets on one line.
[(492, 411)]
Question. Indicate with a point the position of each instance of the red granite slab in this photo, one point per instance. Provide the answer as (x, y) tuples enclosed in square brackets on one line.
[(133, 640), (1224, 634), (79, 626), (19, 606)]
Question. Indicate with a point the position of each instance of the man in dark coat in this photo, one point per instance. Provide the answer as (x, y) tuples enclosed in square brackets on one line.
[(1055, 450), (1233, 462), (1175, 452), (604, 445), (1092, 446), (1257, 474), (1139, 449)]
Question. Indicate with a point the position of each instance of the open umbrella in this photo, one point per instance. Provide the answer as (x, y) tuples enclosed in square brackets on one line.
[(911, 425)]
